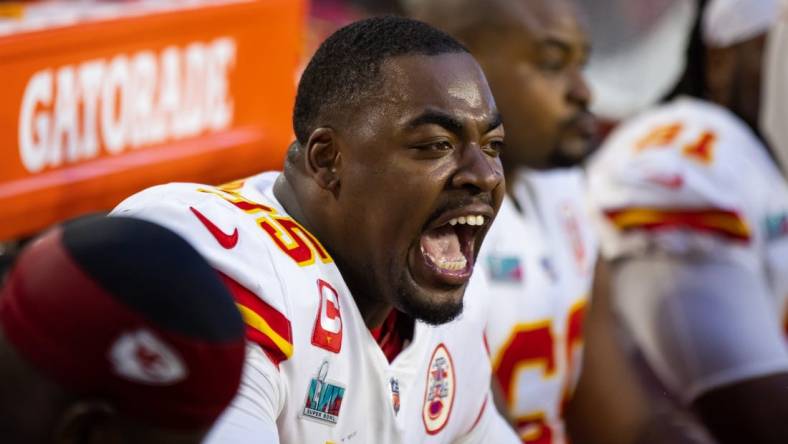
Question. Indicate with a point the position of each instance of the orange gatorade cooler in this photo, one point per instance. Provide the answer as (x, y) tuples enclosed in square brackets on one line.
[(101, 100)]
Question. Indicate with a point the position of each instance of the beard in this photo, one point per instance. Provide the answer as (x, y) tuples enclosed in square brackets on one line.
[(405, 295), (575, 141), (570, 153), (411, 302)]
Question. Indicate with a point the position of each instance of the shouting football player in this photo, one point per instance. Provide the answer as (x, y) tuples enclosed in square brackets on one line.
[(115, 330), (350, 266), (695, 218)]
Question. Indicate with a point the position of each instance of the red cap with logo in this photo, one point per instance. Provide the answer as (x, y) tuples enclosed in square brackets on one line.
[(126, 310)]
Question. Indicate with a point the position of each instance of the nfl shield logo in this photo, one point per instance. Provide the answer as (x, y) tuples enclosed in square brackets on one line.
[(394, 394)]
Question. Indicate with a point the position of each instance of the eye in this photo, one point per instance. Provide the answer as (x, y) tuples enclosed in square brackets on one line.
[(438, 145), (553, 64), (495, 147), (553, 59), (433, 149)]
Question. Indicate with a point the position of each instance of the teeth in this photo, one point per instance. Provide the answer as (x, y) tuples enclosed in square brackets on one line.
[(455, 265), (452, 265), (473, 220)]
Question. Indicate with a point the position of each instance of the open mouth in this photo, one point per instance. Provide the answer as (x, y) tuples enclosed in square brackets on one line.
[(447, 248)]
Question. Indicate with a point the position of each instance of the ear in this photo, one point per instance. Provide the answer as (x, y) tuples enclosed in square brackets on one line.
[(322, 158), (87, 422)]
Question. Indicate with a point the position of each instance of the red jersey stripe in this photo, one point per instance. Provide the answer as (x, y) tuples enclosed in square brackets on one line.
[(711, 220), (265, 325)]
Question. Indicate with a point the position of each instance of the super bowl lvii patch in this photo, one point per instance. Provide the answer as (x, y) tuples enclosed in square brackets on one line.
[(324, 398), (505, 269), (776, 226)]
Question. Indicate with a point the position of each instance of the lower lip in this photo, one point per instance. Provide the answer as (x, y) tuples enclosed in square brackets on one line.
[(451, 277), (425, 271)]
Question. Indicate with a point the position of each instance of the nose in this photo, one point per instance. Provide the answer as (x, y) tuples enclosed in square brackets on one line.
[(478, 170), (579, 92)]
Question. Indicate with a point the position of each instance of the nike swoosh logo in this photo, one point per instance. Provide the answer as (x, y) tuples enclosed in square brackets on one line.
[(228, 241)]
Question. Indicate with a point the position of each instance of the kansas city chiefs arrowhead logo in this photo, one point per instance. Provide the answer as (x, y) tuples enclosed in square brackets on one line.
[(140, 356)]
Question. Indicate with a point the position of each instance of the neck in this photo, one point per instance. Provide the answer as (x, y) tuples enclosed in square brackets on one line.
[(286, 194), (372, 310)]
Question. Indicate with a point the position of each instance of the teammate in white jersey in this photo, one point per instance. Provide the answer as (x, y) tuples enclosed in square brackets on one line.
[(694, 216), (541, 251), (539, 257), (350, 266)]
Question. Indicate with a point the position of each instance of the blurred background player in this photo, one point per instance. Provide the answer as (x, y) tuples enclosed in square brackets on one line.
[(115, 330), (350, 265), (694, 216), (541, 252)]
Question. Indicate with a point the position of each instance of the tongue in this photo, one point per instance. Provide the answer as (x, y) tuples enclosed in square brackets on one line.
[(442, 244)]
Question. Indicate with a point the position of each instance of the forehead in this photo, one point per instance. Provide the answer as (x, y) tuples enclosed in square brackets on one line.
[(549, 19), (452, 81)]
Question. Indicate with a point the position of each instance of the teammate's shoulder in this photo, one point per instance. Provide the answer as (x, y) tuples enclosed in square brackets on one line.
[(704, 110), (684, 108), (681, 167), (730, 129), (682, 121)]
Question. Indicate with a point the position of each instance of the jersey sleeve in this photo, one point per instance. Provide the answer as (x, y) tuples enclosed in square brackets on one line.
[(213, 226), (678, 180)]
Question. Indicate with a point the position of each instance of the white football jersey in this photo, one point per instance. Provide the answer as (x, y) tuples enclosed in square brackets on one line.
[(326, 379), (689, 178), (539, 260)]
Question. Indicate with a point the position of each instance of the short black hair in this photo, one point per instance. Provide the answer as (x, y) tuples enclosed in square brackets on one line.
[(346, 67)]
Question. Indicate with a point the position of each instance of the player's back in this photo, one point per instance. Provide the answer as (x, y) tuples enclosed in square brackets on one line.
[(539, 257), (330, 378)]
